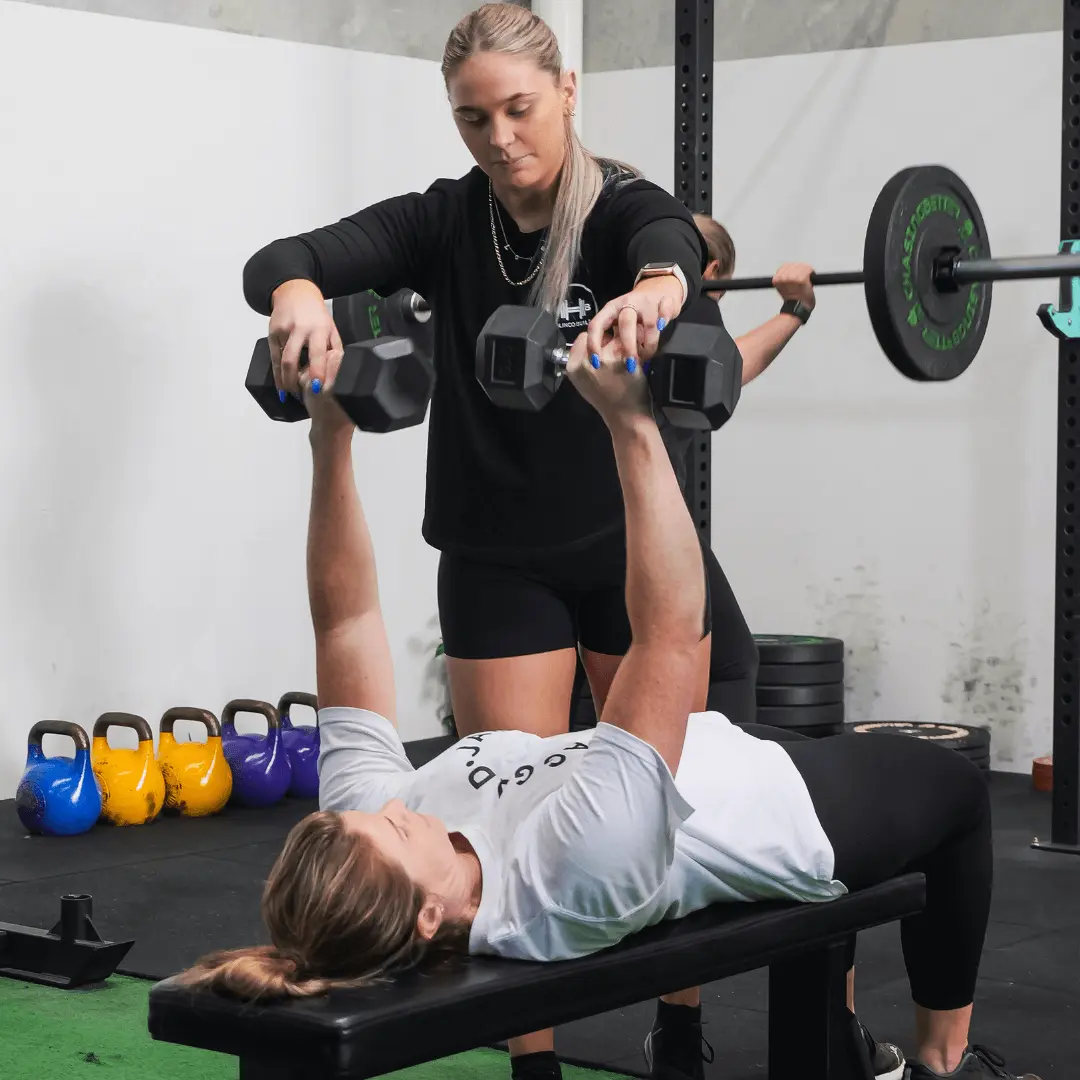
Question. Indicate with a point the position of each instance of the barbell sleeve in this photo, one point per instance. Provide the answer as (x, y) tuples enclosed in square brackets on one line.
[(1021, 268)]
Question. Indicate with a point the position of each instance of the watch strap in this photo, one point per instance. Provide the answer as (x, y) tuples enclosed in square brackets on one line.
[(798, 309)]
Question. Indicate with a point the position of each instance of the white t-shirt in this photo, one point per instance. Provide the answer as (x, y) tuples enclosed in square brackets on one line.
[(585, 838)]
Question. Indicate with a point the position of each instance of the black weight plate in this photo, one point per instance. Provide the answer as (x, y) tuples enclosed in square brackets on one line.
[(929, 334), (800, 716), (800, 674), (797, 649), (960, 737), (365, 316), (825, 694)]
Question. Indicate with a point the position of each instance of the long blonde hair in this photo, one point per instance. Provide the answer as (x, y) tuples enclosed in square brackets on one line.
[(507, 28), (339, 915)]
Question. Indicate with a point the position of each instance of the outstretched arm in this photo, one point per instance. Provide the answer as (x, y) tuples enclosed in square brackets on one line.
[(352, 654), (653, 692), (760, 347)]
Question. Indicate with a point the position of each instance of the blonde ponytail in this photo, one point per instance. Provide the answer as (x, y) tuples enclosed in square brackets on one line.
[(254, 974), (340, 916), (507, 28)]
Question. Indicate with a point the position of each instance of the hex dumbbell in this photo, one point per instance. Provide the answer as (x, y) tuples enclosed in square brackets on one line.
[(695, 378), (382, 385)]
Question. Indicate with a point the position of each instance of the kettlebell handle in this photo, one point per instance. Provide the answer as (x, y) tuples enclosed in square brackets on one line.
[(199, 716), (125, 720), (250, 705), (58, 727), (297, 697)]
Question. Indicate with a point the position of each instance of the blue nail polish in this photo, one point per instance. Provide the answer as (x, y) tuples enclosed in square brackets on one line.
[(631, 364), (648, 366), (281, 396), (595, 360), (661, 323), (316, 385)]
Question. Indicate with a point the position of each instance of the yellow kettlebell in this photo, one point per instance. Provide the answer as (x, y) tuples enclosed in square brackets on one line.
[(132, 787), (198, 780)]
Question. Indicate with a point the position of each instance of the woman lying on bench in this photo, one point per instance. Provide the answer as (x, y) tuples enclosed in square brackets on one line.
[(547, 849)]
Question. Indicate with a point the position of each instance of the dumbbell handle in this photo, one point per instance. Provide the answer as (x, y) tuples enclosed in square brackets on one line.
[(559, 359), (419, 309)]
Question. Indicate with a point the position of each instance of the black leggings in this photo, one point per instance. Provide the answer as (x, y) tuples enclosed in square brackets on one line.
[(890, 804)]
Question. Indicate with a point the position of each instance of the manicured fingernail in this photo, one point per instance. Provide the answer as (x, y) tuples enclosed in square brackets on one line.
[(281, 396), (316, 385), (661, 323), (631, 364), (648, 366), (595, 360)]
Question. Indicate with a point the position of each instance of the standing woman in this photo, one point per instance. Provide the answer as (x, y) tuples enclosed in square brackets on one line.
[(525, 508)]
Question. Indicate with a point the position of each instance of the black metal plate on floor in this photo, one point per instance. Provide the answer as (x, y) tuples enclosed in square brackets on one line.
[(963, 737), (802, 716), (823, 694), (800, 674), (798, 649)]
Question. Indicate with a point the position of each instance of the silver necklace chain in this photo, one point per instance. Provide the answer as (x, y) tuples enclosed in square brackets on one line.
[(540, 253)]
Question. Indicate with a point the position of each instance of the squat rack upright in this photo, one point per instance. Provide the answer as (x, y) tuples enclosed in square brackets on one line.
[(1065, 811), (694, 29)]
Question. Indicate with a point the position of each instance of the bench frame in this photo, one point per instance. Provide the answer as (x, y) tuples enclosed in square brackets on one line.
[(482, 1001)]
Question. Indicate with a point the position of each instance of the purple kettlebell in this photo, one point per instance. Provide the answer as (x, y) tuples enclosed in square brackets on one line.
[(259, 763), (301, 744)]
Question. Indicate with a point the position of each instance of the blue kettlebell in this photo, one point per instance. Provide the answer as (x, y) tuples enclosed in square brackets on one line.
[(301, 744), (58, 796), (259, 763)]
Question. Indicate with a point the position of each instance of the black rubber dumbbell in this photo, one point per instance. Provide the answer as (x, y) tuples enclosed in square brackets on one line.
[(382, 385), (367, 315), (695, 378), (521, 357)]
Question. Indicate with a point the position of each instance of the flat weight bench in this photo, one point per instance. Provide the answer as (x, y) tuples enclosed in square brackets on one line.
[(423, 1016)]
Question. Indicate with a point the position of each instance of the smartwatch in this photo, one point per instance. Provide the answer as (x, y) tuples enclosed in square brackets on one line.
[(798, 309), (663, 270)]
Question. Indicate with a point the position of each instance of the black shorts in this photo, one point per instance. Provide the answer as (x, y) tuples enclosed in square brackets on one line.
[(491, 609)]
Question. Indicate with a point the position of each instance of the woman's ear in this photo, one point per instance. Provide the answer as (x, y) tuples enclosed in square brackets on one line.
[(430, 918), (712, 271), (570, 92)]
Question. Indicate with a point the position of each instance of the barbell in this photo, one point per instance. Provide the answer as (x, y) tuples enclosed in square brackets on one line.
[(927, 273)]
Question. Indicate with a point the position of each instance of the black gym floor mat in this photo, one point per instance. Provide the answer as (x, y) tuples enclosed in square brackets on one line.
[(32, 858), (183, 887)]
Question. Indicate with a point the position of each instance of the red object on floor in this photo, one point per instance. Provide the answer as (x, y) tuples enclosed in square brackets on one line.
[(1042, 773)]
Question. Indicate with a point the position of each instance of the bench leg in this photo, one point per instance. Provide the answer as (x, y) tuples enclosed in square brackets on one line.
[(811, 1032)]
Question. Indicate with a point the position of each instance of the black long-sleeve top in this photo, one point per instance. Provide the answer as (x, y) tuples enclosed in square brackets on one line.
[(499, 482)]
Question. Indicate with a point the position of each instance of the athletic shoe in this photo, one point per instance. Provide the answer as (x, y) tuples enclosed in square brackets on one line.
[(665, 1065), (978, 1063), (886, 1059)]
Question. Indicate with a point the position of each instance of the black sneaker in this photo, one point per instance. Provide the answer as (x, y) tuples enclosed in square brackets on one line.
[(886, 1059), (978, 1063), (664, 1065)]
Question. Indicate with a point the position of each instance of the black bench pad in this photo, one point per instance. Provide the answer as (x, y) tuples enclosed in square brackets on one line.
[(478, 1001)]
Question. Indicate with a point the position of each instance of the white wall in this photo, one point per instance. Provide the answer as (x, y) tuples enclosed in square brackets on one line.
[(914, 521), (154, 527)]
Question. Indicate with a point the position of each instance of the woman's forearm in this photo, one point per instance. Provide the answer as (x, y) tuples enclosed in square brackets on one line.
[(342, 580), (762, 346)]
